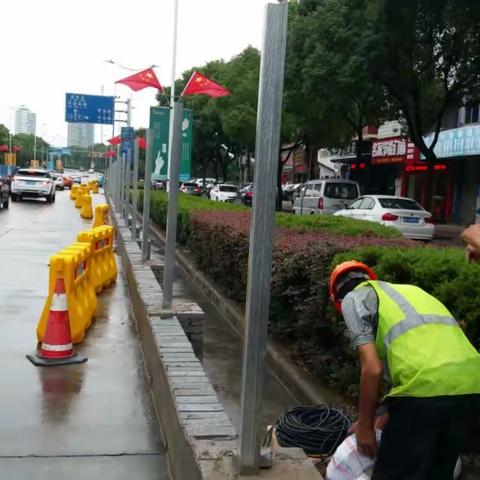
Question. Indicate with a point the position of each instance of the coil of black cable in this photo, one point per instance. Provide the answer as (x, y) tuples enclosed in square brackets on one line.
[(318, 430)]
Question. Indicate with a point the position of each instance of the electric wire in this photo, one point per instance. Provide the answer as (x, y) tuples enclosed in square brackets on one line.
[(318, 430)]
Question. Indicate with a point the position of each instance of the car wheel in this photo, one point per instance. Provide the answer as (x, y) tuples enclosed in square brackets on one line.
[(14, 197), (6, 203), (53, 198)]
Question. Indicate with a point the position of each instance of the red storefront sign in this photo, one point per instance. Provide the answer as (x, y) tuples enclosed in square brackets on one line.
[(394, 150)]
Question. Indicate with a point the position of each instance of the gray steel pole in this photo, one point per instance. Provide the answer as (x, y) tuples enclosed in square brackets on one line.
[(122, 183), (135, 191), (147, 188), (269, 118), (127, 185), (172, 213)]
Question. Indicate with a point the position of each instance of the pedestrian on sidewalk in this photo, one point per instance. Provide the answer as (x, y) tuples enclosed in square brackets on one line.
[(432, 368), (471, 236)]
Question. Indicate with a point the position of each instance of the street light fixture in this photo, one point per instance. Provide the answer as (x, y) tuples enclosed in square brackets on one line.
[(112, 62)]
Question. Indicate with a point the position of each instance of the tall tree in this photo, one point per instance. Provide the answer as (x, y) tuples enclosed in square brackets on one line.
[(426, 56), (328, 88)]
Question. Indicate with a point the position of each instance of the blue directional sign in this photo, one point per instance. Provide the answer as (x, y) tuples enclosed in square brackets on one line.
[(80, 108), (127, 137)]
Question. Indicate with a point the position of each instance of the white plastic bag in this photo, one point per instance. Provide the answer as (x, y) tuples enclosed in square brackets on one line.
[(348, 464)]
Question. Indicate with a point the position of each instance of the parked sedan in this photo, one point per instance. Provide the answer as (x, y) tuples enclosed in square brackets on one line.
[(404, 214), (224, 193)]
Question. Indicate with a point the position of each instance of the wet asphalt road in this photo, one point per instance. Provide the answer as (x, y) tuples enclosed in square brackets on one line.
[(94, 420)]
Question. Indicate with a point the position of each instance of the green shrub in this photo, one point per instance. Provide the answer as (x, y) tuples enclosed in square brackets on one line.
[(306, 249), (444, 273)]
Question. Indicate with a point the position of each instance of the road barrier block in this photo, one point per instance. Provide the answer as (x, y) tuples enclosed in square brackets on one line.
[(103, 270), (86, 208), (73, 265), (102, 216), (74, 192), (93, 185), (79, 198)]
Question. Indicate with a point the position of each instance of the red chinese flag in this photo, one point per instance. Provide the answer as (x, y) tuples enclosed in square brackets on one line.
[(111, 154), (142, 143), (201, 85), (4, 148), (17, 148), (141, 80), (115, 140)]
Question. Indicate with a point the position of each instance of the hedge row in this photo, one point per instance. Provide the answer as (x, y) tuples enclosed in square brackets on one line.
[(306, 248)]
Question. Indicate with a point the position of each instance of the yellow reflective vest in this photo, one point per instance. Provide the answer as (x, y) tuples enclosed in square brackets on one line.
[(425, 351)]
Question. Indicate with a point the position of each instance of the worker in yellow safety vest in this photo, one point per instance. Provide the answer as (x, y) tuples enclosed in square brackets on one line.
[(409, 336)]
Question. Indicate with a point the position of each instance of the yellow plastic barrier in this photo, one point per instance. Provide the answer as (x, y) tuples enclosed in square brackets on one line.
[(79, 198), (93, 184), (102, 215), (73, 264), (86, 208), (74, 192), (103, 270)]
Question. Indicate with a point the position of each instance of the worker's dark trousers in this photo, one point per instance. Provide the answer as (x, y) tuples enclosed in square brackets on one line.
[(424, 437)]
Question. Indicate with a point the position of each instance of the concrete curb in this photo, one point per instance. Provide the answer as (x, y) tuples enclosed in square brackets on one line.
[(197, 431)]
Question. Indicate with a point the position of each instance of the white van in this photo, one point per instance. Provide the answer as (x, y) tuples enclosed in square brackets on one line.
[(325, 196)]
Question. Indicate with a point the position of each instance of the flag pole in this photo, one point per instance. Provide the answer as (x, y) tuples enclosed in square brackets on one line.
[(172, 88)]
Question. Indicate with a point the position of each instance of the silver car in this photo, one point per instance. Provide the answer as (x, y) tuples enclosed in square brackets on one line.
[(32, 182)]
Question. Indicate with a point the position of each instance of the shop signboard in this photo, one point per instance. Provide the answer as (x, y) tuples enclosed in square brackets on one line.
[(394, 150), (458, 142)]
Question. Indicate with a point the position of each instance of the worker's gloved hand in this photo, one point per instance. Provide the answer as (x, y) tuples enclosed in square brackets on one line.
[(366, 440)]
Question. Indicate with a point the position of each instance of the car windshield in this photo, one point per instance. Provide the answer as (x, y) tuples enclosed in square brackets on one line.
[(31, 173), (399, 204), (227, 188), (344, 191)]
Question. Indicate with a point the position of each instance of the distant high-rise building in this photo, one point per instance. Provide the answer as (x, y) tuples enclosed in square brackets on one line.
[(25, 121), (81, 134)]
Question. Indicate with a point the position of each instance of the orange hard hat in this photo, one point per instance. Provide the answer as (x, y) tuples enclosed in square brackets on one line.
[(343, 268)]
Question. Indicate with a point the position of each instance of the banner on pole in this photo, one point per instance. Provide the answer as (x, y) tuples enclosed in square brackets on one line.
[(128, 139), (159, 123)]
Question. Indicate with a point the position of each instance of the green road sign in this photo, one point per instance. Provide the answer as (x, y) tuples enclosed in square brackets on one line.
[(159, 122)]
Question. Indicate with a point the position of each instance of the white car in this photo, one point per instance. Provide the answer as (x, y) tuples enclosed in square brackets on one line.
[(32, 182), (58, 180), (91, 170), (224, 192), (404, 214)]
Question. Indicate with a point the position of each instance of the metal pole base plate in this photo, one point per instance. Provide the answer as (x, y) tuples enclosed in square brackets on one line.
[(51, 362)]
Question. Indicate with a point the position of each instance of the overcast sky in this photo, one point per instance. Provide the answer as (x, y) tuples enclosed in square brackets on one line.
[(53, 46)]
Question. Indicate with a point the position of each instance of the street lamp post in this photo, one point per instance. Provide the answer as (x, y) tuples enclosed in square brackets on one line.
[(172, 88)]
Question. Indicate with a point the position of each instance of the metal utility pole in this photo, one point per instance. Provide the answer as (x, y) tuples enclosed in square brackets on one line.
[(261, 235), (172, 213), (135, 191), (172, 88), (147, 187)]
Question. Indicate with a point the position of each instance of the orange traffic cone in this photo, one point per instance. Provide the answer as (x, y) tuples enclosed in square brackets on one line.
[(57, 348)]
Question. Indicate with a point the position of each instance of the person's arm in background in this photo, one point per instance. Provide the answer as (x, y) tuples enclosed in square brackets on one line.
[(370, 378), (471, 236)]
